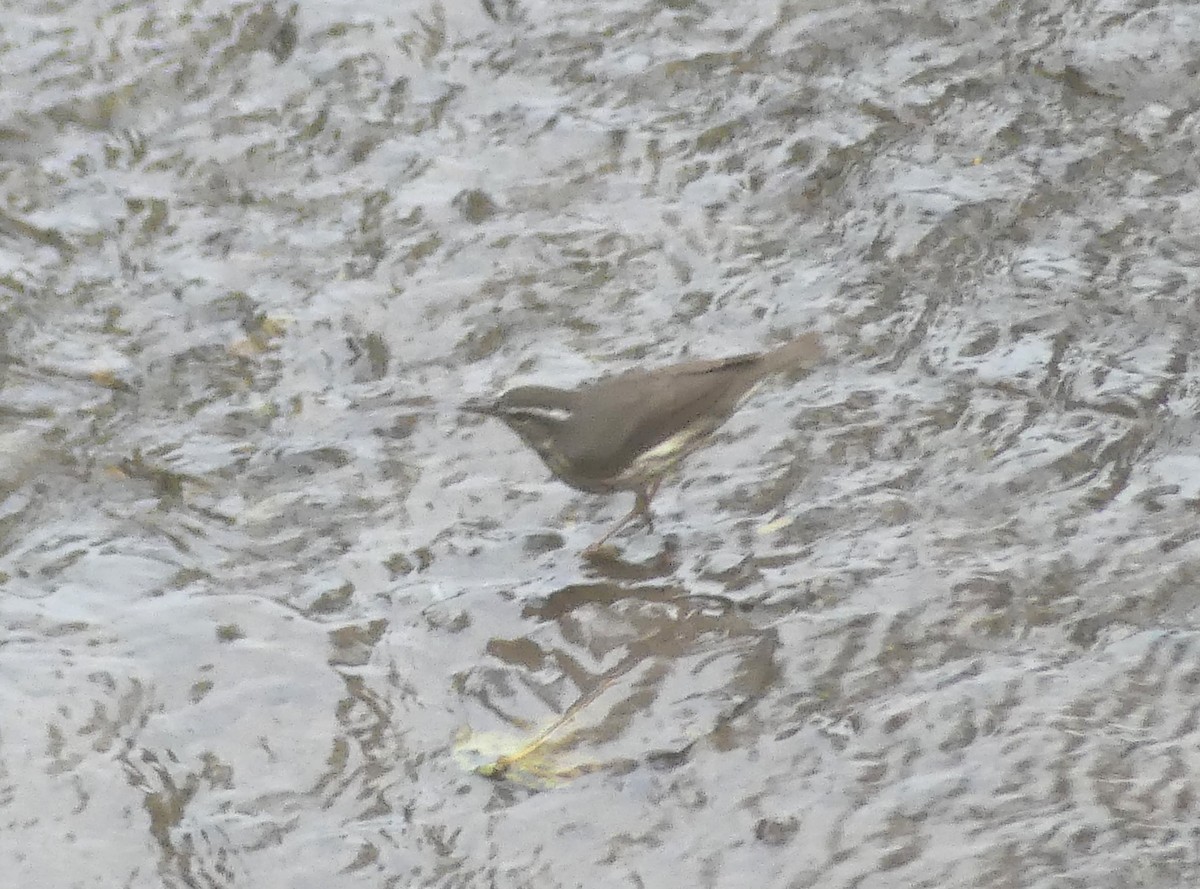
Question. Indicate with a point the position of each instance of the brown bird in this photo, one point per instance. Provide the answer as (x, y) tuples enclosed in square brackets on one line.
[(626, 432)]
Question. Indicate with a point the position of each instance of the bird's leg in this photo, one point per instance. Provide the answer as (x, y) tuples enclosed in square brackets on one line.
[(641, 509), (642, 504)]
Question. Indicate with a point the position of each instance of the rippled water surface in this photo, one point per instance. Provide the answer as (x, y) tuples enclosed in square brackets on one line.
[(273, 610)]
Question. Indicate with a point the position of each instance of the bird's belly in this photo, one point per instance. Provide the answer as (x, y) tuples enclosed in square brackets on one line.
[(657, 461)]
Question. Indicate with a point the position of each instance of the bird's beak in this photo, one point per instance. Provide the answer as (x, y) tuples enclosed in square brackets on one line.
[(479, 406)]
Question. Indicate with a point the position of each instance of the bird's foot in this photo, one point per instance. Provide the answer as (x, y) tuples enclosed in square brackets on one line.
[(600, 551)]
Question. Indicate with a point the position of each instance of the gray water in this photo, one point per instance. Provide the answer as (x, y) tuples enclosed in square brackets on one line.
[(928, 617)]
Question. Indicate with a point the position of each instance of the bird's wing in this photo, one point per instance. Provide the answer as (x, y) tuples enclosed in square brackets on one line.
[(639, 409)]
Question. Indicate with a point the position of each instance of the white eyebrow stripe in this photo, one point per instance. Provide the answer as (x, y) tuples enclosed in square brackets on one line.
[(553, 414)]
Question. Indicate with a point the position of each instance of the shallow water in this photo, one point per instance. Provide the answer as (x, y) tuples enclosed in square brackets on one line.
[(927, 617)]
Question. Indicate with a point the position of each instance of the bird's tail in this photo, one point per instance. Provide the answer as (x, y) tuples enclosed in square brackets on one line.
[(803, 353)]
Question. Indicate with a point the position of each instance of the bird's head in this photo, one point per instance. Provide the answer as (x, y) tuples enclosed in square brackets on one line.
[(537, 414)]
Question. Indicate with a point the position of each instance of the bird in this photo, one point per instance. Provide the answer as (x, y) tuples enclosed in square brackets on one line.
[(627, 432)]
